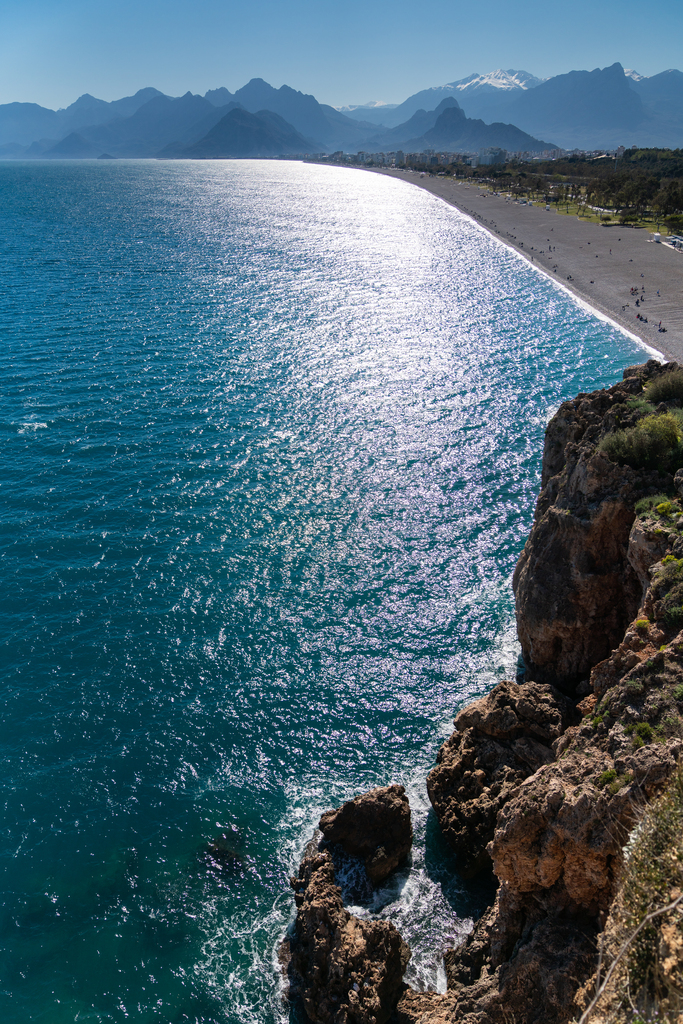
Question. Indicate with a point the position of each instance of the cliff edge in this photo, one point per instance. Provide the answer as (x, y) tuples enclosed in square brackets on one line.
[(545, 779)]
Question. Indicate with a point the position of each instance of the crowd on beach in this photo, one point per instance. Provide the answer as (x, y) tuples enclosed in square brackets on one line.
[(639, 296)]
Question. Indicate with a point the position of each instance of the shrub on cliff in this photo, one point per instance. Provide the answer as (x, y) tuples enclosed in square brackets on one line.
[(645, 933), (653, 443), (668, 589), (653, 878), (665, 387)]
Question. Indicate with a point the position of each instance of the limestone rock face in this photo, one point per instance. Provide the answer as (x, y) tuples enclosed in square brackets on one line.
[(375, 827), (574, 586), (499, 742), (561, 835), (346, 971)]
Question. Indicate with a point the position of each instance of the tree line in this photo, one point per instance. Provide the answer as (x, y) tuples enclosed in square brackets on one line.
[(640, 183)]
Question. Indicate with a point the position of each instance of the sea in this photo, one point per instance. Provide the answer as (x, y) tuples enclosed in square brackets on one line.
[(271, 444)]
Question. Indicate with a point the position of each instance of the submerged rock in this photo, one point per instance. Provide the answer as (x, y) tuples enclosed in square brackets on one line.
[(375, 826)]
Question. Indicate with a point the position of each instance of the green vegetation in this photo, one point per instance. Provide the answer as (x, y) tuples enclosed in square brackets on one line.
[(640, 405), (642, 733), (665, 508), (608, 776), (678, 692), (647, 504), (653, 443), (651, 880), (619, 782), (669, 582), (643, 624), (642, 187), (665, 388)]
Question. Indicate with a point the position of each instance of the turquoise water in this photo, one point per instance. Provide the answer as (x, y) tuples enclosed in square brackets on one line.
[(271, 440)]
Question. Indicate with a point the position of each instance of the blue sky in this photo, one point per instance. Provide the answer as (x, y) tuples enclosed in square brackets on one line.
[(51, 51)]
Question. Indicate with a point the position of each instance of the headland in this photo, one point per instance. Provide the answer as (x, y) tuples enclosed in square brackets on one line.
[(547, 778), (599, 265)]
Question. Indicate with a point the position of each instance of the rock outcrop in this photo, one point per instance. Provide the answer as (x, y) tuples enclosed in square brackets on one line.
[(575, 591), (499, 741), (344, 970), (374, 827), (546, 779)]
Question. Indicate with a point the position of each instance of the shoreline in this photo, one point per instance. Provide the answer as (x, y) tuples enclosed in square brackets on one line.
[(563, 249)]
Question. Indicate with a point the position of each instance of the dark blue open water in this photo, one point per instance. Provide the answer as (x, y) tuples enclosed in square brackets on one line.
[(271, 437)]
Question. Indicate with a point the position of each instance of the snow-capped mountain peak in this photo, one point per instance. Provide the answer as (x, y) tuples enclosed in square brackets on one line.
[(630, 73), (498, 79)]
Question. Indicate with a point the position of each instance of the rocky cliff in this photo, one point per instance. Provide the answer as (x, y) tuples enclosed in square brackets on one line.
[(545, 779)]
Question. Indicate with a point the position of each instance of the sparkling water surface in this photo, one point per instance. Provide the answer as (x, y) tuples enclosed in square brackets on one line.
[(271, 440)]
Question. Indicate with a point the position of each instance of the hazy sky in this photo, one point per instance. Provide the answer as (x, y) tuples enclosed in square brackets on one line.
[(52, 51)]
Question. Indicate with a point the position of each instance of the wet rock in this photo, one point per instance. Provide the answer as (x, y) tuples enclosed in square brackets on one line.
[(375, 826), (344, 970), (499, 741), (424, 1008)]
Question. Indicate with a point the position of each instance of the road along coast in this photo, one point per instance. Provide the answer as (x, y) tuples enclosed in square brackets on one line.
[(599, 265)]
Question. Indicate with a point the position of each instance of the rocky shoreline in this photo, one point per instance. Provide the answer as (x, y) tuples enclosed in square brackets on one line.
[(546, 778)]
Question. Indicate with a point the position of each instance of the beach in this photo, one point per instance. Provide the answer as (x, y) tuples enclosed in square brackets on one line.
[(599, 265)]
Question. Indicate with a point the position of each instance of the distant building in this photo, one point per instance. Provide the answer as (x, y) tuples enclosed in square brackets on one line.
[(492, 155), (400, 158)]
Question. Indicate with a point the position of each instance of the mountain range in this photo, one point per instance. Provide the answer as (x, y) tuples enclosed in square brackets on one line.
[(255, 121), (448, 128), (509, 109), (582, 109)]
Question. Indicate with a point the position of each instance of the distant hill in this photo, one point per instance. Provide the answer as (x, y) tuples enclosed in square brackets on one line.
[(330, 129), (219, 97), (583, 107), (418, 124), (24, 123), (240, 133), (605, 107), (154, 125), (73, 147), (448, 128), (454, 132)]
